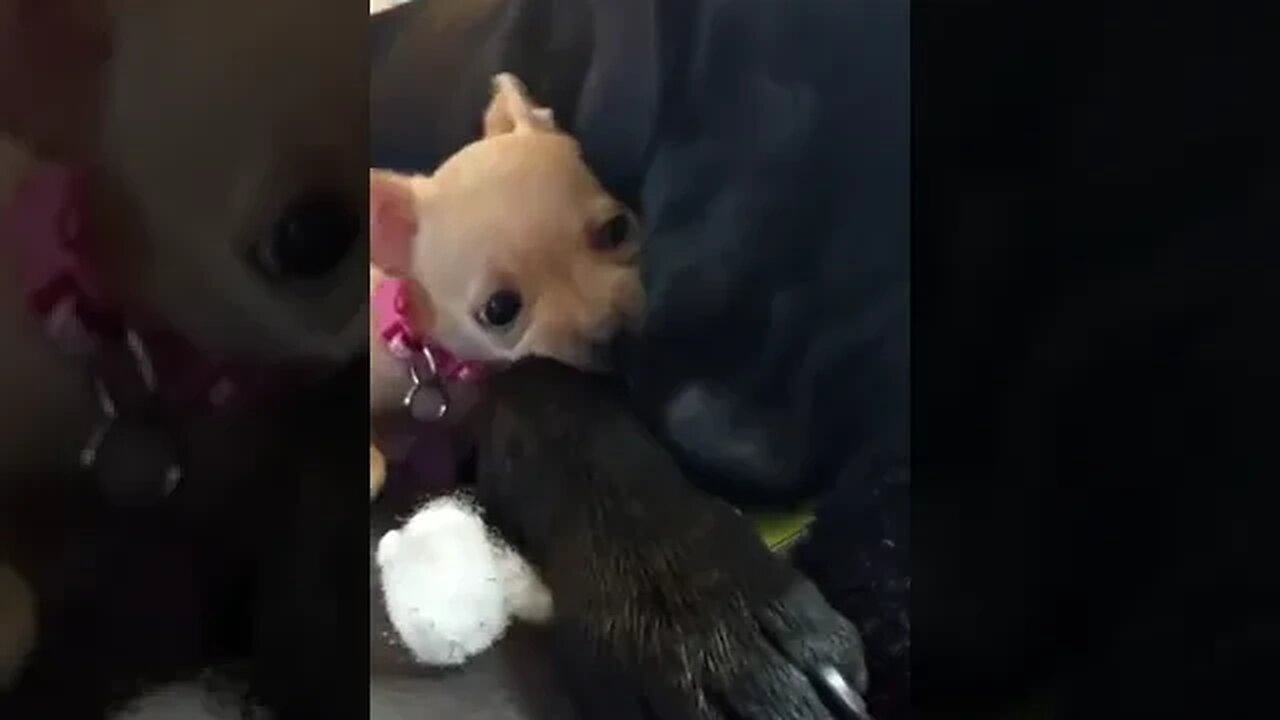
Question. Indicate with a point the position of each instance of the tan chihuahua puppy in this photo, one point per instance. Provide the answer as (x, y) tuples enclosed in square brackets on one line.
[(215, 247), (511, 248)]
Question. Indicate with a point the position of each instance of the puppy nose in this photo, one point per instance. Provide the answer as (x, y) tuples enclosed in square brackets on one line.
[(314, 234)]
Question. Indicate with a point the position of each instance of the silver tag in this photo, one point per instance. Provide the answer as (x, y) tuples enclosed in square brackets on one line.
[(425, 400), (133, 453), (133, 462), (425, 403)]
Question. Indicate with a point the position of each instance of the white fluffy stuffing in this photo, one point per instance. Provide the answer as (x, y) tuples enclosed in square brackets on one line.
[(188, 701), (377, 6), (450, 587)]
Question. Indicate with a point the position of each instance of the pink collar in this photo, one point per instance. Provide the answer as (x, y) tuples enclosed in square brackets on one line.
[(45, 222), (427, 460), (390, 307)]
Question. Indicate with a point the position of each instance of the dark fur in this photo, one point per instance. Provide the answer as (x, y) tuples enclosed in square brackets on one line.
[(766, 146), (668, 605)]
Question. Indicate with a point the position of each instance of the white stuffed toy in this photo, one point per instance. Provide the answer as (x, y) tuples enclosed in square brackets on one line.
[(377, 6), (190, 700), (451, 587)]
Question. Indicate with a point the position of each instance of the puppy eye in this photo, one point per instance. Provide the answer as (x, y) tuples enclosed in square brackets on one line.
[(611, 235), (310, 238), (501, 309)]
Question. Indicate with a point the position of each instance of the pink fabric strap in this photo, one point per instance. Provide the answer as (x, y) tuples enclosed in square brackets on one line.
[(46, 224), (391, 315), (426, 464), (45, 221)]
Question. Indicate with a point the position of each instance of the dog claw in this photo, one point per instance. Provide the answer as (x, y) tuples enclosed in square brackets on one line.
[(840, 696)]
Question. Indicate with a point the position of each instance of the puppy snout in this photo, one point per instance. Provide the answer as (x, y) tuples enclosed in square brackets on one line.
[(312, 236)]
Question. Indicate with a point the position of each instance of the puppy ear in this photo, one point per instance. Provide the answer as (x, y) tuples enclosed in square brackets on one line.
[(512, 110), (394, 202)]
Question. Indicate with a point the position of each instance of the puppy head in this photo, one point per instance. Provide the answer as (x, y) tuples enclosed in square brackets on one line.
[(235, 149), (515, 247)]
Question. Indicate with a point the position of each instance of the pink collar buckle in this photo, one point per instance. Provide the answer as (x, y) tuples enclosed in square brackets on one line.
[(145, 394), (429, 364)]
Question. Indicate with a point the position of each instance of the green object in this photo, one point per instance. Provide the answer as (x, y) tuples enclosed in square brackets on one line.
[(781, 530)]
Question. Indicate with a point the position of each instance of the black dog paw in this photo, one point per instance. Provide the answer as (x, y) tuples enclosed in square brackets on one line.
[(668, 604), (683, 658), (821, 643)]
